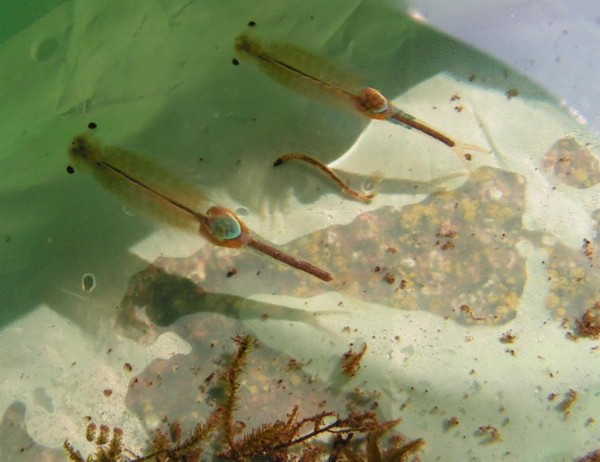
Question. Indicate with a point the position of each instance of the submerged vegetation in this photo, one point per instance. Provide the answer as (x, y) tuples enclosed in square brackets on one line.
[(324, 436)]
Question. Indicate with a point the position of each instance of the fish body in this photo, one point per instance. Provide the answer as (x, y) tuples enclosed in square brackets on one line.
[(318, 78), (146, 186)]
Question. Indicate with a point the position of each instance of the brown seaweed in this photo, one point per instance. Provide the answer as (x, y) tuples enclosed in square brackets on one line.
[(323, 436)]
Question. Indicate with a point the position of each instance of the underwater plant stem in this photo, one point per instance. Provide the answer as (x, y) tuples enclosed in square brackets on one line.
[(309, 435)]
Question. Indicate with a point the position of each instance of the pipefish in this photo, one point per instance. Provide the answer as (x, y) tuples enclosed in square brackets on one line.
[(318, 78), (145, 186)]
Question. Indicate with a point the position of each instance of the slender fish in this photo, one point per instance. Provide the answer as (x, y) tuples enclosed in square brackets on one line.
[(145, 186), (320, 79)]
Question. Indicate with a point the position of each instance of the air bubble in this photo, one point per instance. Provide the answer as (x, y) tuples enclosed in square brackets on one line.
[(242, 211), (368, 185), (88, 282), (128, 212), (495, 194), (44, 49)]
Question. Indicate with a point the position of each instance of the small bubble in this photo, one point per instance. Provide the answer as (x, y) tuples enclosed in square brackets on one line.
[(242, 211), (495, 194), (368, 185), (128, 212), (44, 49), (88, 282)]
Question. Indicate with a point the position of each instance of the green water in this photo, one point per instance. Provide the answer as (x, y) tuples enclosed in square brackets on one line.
[(451, 257)]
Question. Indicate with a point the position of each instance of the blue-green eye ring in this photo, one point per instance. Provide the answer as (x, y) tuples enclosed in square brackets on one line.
[(225, 227)]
